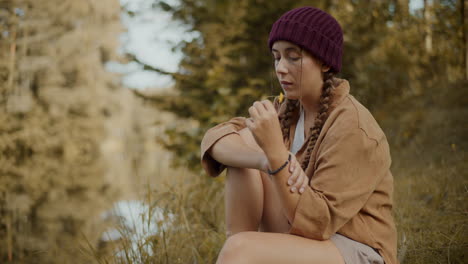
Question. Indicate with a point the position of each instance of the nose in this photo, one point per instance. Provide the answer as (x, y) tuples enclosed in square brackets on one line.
[(281, 67)]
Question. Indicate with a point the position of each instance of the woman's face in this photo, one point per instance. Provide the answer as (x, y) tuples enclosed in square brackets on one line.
[(288, 68)]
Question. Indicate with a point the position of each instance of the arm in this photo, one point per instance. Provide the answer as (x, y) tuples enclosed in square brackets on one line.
[(221, 141), (289, 200), (349, 166), (222, 146), (266, 130), (232, 151)]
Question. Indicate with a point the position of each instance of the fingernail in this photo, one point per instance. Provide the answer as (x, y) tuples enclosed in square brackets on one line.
[(293, 189), (289, 182), (301, 190)]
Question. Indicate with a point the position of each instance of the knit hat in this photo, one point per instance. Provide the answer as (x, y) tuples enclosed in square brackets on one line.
[(314, 30)]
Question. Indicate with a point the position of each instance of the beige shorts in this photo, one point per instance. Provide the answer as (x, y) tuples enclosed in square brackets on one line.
[(354, 252)]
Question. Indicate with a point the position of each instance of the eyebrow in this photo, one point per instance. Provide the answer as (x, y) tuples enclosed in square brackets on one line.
[(287, 49)]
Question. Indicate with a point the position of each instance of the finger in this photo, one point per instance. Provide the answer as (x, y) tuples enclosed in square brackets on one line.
[(249, 123), (293, 178), (254, 113), (293, 163), (262, 111), (299, 181), (260, 106), (304, 185), (269, 105)]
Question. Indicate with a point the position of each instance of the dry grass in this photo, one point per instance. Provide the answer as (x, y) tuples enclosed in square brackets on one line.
[(430, 210), (190, 224), (430, 169)]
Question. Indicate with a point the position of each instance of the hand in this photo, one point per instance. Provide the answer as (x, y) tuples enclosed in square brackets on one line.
[(298, 179), (265, 127)]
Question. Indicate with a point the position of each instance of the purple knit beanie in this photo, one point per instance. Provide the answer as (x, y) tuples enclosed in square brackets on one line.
[(314, 30)]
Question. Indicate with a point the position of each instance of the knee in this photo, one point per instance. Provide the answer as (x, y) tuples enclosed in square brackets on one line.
[(238, 173), (235, 249), (246, 172)]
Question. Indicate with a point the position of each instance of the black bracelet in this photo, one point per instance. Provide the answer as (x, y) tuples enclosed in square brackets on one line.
[(280, 168)]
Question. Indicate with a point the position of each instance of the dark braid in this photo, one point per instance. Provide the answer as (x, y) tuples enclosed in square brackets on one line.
[(286, 118), (325, 99)]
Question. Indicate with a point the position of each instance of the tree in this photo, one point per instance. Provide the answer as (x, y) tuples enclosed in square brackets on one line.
[(229, 66), (55, 100)]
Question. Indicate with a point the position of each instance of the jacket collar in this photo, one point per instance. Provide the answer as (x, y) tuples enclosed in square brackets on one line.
[(340, 92)]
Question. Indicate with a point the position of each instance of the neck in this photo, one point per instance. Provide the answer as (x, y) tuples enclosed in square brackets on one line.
[(311, 101), (311, 107)]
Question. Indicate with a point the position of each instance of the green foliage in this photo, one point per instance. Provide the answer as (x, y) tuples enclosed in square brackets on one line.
[(55, 98), (409, 68), (386, 58), (430, 173), (224, 71)]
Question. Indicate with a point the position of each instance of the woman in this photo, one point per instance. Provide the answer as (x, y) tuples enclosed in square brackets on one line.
[(311, 172)]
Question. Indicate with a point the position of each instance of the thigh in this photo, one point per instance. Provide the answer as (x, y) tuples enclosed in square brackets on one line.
[(271, 248), (273, 217)]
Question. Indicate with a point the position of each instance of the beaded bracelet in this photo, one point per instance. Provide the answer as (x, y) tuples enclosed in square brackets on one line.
[(282, 166)]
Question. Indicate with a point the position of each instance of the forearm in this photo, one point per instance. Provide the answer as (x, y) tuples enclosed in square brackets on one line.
[(231, 150), (288, 200)]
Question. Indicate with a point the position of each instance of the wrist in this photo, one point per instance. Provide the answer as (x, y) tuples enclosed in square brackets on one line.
[(277, 158), (259, 159)]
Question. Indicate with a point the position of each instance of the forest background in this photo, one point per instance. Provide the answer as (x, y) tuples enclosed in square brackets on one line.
[(74, 140)]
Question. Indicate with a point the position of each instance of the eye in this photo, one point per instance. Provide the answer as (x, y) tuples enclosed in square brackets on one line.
[(294, 56)]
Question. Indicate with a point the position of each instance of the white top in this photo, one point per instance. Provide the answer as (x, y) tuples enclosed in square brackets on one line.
[(299, 134)]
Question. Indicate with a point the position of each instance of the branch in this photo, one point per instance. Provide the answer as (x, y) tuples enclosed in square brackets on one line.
[(145, 96), (147, 66)]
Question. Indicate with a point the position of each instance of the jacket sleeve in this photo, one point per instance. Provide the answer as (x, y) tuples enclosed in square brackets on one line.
[(212, 167), (349, 167)]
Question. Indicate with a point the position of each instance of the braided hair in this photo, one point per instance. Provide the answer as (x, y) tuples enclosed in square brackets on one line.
[(291, 105), (286, 118)]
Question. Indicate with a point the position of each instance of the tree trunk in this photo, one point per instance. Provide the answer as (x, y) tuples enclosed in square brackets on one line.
[(464, 18), (428, 24)]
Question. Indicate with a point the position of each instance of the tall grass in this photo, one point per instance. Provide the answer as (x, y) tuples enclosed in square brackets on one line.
[(190, 223), (430, 212), (430, 170)]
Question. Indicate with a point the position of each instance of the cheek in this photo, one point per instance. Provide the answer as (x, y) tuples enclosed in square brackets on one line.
[(312, 74)]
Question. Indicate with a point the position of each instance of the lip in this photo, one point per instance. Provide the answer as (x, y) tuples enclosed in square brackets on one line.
[(286, 85)]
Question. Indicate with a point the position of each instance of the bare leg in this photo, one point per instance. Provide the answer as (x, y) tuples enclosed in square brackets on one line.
[(251, 201), (271, 248), (252, 204), (243, 200), (273, 218)]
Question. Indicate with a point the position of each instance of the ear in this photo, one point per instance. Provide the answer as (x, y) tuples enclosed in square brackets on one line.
[(325, 68)]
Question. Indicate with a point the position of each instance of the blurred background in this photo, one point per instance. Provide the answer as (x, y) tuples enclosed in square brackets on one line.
[(104, 104)]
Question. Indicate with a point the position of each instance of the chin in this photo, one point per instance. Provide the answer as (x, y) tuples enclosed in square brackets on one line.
[(291, 96)]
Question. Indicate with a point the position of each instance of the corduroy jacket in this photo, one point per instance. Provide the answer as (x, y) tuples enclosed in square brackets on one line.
[(350, 188)]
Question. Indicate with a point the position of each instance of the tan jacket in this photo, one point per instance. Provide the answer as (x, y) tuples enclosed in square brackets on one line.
[(351, 186)]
